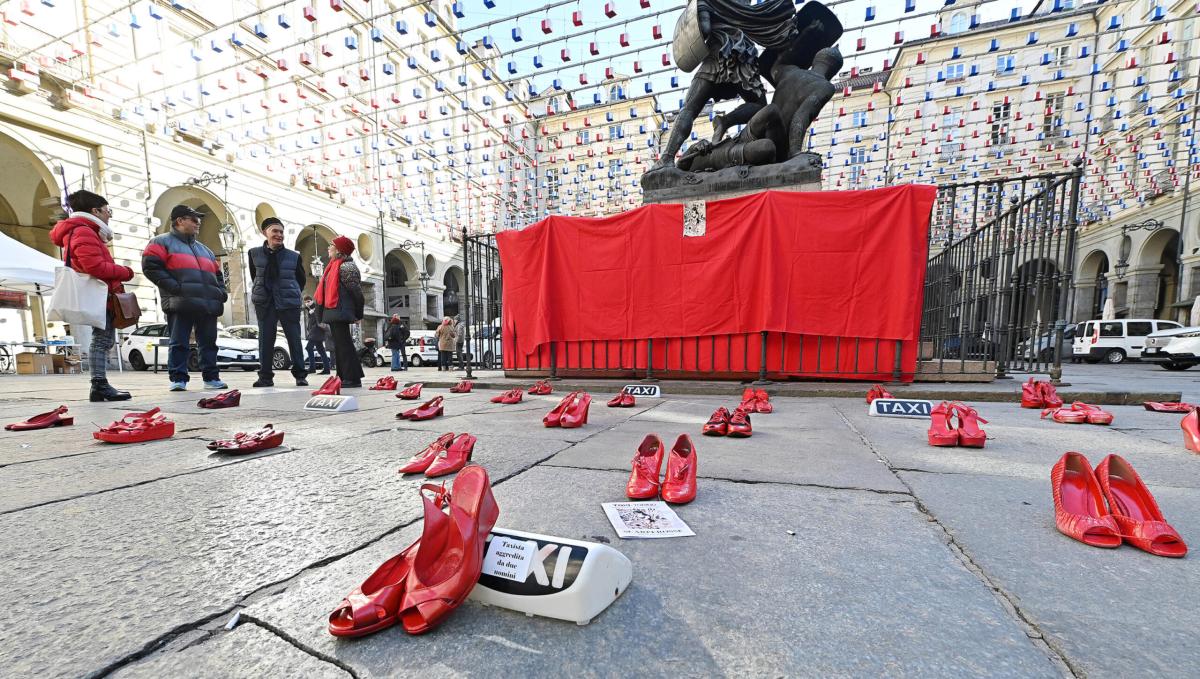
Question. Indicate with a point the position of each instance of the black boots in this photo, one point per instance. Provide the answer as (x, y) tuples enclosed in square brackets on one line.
[(103, 391)]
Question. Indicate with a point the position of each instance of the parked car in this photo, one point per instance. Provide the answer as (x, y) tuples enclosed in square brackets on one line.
[(1116, 340), (421, 349), (977, 348), (1042, 348), (280, 360), (1173, 349), (138, 349)]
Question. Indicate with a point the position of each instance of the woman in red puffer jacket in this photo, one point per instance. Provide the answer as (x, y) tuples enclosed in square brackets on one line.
[(84, 236)]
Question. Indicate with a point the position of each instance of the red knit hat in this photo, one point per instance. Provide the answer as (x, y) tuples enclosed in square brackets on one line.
[(344, 245)]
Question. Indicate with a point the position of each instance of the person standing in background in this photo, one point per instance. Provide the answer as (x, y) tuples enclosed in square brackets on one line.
[(445, 341), (314, 330), (340, 302), (460, 341), (393, 341), (193, 295), (84, 236), (278, 275)]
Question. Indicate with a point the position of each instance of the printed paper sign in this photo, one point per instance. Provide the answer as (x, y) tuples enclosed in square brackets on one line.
[(896, 407), (645, 520), (509, 559), (643, 390)]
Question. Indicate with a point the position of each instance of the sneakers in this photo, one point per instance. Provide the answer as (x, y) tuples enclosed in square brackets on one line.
[(215, 384), (179, 386)]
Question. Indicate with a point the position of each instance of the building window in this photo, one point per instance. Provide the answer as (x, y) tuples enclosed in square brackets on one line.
[(958, 23), (1001, 134), (1005, 64), (1061, 55), (956, 72), (860, 118), (554, 104), (951, 121), (1052, 117)]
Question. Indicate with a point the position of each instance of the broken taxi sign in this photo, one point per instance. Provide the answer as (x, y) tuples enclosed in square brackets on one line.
[(900, 407)]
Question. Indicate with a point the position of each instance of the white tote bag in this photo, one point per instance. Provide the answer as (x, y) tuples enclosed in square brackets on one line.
[(78, 299)]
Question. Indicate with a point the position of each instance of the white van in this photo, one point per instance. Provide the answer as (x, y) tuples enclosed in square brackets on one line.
[(1116, 340), (420, 350)]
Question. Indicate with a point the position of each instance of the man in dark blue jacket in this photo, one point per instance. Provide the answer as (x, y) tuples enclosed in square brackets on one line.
[(278, 275), (193, 295)]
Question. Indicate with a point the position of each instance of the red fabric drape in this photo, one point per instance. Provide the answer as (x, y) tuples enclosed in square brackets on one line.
[(833, 264), (330, 285)]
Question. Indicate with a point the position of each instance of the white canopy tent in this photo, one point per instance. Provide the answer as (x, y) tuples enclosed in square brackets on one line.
[(26, 270)]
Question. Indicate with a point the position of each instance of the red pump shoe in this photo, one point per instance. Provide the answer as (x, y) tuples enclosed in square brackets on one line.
[(623, 399), (1135, 511), (1079, 510), (718, 424), (679, 483), (1031, 394), (577, 415), (1191, 431), (54, 418), (228, 399), (426, 411), (554, 417), (877, 391), (387, 383), (762, 402), (420, 462), (453, 458), (942, 432), (541, 388), (969, 433), (1065, 415), (446, 567), (643, 481), (463, 387), (411, 392), (374, 605), (1095, 414), (739, 425), (332, 387), (263, 439)]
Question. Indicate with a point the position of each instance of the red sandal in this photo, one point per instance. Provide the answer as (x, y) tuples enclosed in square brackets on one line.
[(877, 391), (386, 383), (554, 417), (942, 432), (453, 458), (577, 415), (1095, 414), (228, 399), (969, 433), (420, 462), (1134, 509), (1079, 510), (426, 411), (1065, 415), (622, 400), (1169, 407), (263, 439), (136, 428), (54, 418), (411, 392), (463, 387)]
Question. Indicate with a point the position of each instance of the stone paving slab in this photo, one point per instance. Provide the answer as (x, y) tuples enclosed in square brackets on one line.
[(1113, 613), (248, 652), (862, 566)]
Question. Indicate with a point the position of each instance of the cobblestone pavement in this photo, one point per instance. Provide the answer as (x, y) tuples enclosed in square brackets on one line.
[(829, 544)]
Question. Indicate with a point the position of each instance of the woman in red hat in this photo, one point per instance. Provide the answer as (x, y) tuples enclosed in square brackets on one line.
[(339, 301)]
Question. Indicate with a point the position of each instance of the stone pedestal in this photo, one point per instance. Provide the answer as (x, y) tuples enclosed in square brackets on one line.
[(672, 185)]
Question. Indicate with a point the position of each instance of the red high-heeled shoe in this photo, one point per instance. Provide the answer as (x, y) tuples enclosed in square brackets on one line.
[(386, 383), (441, 578), (718, 423), (1191, 431), (541, 388), (739, 425), (1065, 415), (623, 399), (263, 439), (426, 411), (463, 387), (411, 392), (1050, 397), (375, 604), (1169, 407), (1135, 511), (969, 433), (332, 387), (54, 418), (453, 458), (1079, 510), (1094, 414), (679, 483), (577, 415), (1031, 394), (647, 464), (942, 433), (554, 417), (420, 462), (228, 399), (877, 391), (762, 402)]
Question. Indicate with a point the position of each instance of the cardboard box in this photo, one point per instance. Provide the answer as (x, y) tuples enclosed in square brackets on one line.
[(60, 362), (68, 370), (29, 363)]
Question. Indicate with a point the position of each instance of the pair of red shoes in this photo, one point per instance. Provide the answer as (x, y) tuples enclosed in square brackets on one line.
[(332, 387), (411, 392), (679, 484), (263, 439), (622, 400), (756, 401), (228, 399), (422, 585), (446, 455), (137, 427), (463, 387), (54, 418), (510, 396), (426, 411), (571, 412), (387, 383), (877, 391), (1039, 394), (1079, 413), (541, 388), (944, 433), (1132, 514), (723, 423)]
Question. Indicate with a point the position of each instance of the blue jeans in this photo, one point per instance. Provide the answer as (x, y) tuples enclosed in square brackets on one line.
[(102, 342), (398, 360), (315, 349), (181, 327)]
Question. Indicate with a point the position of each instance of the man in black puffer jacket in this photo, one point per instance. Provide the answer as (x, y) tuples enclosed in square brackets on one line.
[(193, 295)]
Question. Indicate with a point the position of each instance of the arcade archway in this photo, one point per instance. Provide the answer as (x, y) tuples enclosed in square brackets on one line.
[(215, 215), (313, 241)]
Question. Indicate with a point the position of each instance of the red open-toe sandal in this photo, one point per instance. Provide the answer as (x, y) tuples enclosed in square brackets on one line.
[(411, 392), (463, 387), (136, 428), (426, 411), (453, 458), (554, 417), (1031, 394), (54, 418), (1079, 510), (1095, 414), (577, 414), (385, 383), (1065, 415), (1135, 510), (263, 439), (942, 432)]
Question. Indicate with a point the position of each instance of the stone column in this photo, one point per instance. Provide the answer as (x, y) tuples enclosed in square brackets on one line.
[(1143, 290), (1085, 299)]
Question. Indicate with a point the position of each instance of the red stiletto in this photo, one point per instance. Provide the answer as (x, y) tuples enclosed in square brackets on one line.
[(623, 399), (1065, 415), (1095, 414), (263, 439), (762, 402), (1079, 510), (647, 463), (1191, 431), (718, 424), (739, 424), (387, 383), (969, 433), (374, 605), (942, 433), (411, 392), (420, 462), (442, 577), (679, 483), (463, 387), (1135, 511), (1169, 407), (228, 399), (577, 415), (1031, 395), (426, 411), (54, 418), (554, 417), (453, 458), (332, 387)]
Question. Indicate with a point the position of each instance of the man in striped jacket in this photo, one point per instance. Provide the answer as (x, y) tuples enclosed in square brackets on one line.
[(193, 295)]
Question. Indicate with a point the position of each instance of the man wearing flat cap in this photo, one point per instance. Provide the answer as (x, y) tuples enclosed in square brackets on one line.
[(278, 275), (193, 295)]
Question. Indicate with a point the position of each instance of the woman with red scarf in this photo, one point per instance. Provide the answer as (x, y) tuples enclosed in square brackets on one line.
[(339, 301)]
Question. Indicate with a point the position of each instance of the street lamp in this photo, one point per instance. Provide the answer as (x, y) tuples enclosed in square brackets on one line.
[(423, 276), (316, 266), (1151, 225), (229, 237)]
